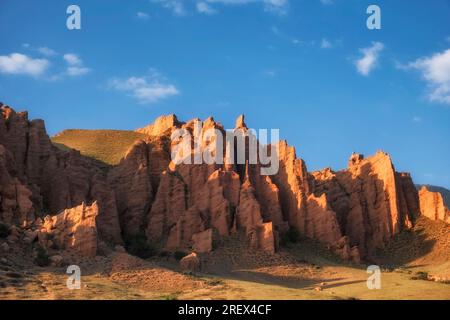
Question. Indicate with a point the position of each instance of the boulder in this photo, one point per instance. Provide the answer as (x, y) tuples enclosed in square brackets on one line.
[(190, 263), (56, 260), (4, 247)]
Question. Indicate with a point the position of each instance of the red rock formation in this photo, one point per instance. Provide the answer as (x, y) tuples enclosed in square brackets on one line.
[(50, 178), (161, 126), (292, 182), (203, 241), (432, 205), (74, 229), (15, 204), (371, 200), (196, 206)]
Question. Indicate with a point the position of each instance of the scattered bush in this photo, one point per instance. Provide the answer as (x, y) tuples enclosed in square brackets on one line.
[(4, 230), (139, 246), (420, 275), (164, 254), (172, 297), (291, 236), (178, 255), (42, 259), (215, 282)]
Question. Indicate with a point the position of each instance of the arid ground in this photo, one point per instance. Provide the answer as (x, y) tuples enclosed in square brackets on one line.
[(303, 271)]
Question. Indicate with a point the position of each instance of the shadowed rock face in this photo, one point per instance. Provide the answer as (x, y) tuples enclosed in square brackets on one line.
[(39, 179), (197, 206)]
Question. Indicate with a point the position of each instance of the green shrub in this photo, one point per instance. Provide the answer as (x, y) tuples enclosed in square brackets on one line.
[(420, 275), (291, 236), (4, 230), (42, 259), (164, 254), (170, 297), (139, 246), (178, 255)]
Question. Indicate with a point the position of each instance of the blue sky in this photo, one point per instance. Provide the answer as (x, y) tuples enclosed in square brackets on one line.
[(308, 67)]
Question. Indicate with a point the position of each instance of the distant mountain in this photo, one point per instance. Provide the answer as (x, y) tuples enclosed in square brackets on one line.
[(445, 192)]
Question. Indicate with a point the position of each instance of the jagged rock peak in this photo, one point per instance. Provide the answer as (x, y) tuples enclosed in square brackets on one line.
[(240, 122), (161, 125), (355, 158)]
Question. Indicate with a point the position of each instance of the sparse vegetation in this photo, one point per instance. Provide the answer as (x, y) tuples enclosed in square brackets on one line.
[(4, 230), (164, 254), (107, 146), (178, 255), (139, 246), (215, 282), (420, 275), (290, 237), (172, 297), (42, 259)]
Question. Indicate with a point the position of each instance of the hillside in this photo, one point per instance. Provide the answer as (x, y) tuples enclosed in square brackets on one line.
[(445, 192), (289, 235), (107, 146)]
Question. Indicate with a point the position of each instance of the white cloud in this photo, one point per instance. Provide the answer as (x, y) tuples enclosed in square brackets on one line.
[(436, 71), (142, 15), (75, 65), (325, 44), (17, 63), (77, 71), (369, 60), (279, 7), (417, 119), (147, 89), (46, 51), (205, 8), (270, 73), (73, 59), (326, 2), (176, 6), (275, 6)]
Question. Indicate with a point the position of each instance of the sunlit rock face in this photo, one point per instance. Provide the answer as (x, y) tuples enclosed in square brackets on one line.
[(432, 205), (197, 206), (372, 201)]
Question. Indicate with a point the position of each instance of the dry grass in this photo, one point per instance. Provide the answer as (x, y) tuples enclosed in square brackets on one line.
[(107, 146), (128, 278)]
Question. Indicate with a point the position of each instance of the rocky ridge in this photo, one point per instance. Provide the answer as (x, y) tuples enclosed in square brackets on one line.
[(198, 206)]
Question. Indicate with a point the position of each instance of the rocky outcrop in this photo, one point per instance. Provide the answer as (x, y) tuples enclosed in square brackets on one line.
[(432, 205), (371, 201), (197, 206), (47, 180), (16, 206), (203, 242), (161, 126), (74, 230), (135, 180)]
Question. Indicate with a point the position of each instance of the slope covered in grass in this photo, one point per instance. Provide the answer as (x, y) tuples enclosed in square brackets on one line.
[(107, 146)]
